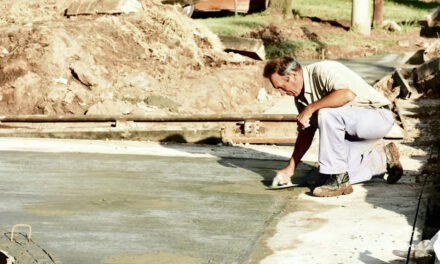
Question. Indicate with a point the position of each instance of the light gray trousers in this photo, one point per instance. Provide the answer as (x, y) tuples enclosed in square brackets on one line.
[(346, 136)]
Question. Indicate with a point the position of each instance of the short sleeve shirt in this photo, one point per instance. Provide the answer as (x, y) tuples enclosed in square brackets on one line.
[(323, 77)]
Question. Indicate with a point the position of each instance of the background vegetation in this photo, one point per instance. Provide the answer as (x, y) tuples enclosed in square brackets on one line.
[(407, 13)]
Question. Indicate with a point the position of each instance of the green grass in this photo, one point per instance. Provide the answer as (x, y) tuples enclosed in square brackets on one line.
[(397, 10), (325, 9), (235, 26), (290, 48), (406, 13)]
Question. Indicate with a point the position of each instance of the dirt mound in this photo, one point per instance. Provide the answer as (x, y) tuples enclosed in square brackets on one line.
[(276, 33), (52, 64)]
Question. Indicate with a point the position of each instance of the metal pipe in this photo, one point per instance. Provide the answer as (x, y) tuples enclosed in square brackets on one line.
[(152, 118)]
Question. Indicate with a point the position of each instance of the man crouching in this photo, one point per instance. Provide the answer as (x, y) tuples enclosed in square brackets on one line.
[(350, 115)]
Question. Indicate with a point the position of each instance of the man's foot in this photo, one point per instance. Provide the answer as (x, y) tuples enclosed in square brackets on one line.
[(337, 184), (394, 167)]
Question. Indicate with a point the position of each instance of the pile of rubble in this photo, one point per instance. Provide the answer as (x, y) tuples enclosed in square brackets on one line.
[(415, 92), (115, 57)]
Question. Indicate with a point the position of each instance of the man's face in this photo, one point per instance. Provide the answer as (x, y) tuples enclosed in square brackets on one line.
[(291, 85)]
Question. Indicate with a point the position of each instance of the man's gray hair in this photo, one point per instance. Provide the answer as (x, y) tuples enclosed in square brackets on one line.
[(283, 66)]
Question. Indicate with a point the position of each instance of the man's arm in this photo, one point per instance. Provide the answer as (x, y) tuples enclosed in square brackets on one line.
[(336, 98), (303, 142)]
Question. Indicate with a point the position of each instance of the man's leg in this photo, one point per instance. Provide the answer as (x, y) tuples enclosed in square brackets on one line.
[(364, 162), (363, 126)]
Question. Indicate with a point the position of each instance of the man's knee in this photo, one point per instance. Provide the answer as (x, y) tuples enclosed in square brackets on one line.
[(326, 115)]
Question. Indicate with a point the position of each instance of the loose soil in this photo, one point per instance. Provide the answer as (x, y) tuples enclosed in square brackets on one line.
[(153, 61)]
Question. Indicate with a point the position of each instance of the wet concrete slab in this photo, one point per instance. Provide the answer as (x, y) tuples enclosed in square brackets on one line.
[(98, 208), (196, 204)]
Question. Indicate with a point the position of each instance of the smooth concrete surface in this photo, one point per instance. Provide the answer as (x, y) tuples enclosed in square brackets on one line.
[(198, 206), (98, 208)]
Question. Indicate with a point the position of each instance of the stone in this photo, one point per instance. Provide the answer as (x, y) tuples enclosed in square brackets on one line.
[(82, 73), (416, 58), (92, 7), (391, 25), (403, 43), (431, 67), (253, 48), (262, 96), (432, 51), (109, 107), (433, 19), (427, 78), (423, 252)]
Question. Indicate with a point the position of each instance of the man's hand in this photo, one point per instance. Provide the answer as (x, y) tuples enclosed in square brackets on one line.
[(283, 176), (304, 117)]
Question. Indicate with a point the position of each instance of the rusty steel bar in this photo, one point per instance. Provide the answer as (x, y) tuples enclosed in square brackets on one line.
[(262, 140), (152, 118)]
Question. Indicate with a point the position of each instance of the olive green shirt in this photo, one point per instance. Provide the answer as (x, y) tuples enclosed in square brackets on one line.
[(323, 77)]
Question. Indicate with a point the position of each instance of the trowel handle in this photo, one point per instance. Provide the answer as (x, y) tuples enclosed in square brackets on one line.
[(21, 225)]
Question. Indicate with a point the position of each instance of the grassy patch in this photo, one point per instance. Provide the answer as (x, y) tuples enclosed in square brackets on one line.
[(406, 13), (397, 10), (290, 48), (234, 26), (334, 9)]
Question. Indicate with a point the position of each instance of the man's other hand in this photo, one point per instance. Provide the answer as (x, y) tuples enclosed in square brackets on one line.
[(304, 117)]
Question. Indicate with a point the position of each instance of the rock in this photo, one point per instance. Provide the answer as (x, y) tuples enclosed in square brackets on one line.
[(433, 19), (416, 58), (423, 252), (432, 51), (391, 25), (427, 77), (253, 48), (435, 242), (60, 80), (109, 107), (262, 96), (81, 72), (162, 102), (91, 7), (22, 87), (387, 87), (403, 43)]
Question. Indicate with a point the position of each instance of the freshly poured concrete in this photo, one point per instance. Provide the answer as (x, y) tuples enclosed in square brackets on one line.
[(196, 207), (92, 208)]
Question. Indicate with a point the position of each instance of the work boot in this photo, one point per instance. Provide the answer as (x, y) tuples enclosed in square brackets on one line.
[(337, 184), (394, 167)]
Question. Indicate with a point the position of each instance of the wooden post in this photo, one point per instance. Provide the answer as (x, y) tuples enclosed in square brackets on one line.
[(378, 14), (235, 8), (360, 19)]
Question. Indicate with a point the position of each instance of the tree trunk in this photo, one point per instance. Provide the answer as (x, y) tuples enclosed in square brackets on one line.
[(378, 14), (360, 20)]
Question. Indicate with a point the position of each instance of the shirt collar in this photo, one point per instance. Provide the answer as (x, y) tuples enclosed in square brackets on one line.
[(306, 80), (305, 97)]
